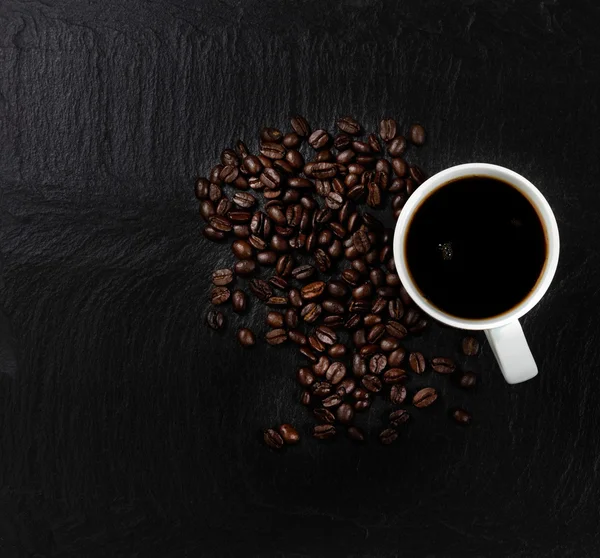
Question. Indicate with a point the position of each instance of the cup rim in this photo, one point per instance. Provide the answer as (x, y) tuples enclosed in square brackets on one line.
[(537, 200)]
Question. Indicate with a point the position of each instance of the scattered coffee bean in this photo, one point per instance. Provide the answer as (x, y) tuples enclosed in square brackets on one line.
[(222, 277), (238, 301), (394, 376), (345, 413), (220, 295), (398, 394), (467, 380), (324, 415), (246, 337), (324, 431), (388, 436), (424, 397), (443, 365), (470, 346), (215, 319), (273, 439), (462, 417), (356, 434), (416, 362), (399, 417), (416, 134), (377, 363), (371, 383), (289, 434), (276, 337), (335, 373)]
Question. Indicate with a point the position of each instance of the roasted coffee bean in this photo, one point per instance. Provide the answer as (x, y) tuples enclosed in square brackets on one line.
[(215, 319), (470, 346), (278, 283), (272, 150), (220, 223), (311, 312), (291, 141), (316, 344), (372, 319), (337, 351), (320, 170), (207, 209), (388, 436), (276, 214), (361, 405), (371, 383), (359, 338), (223, 206), (229, 173), (394, 376), (377, 277), (289, 434), (352, 322), (297, 337), (356, 434), (321, 366), (386, 292), (295, 298), (397, 146), (360, 306), (361, 241), (242, 249), (305, 377), (291, 318), (377, 363), (443, 365), (220, 295), (398, 394), (359, 366), (467, 380), (326, 335), (222, 277), (277, 301), (374, 143), (417, 363), (284, 265), (246, 337), (321, 389), (395, 309), (324, 431), (395, 358), (335, 373), (318, 139), (322, 260), (349, 125), (373, 195), (462, 417), (274, 320), (389, 344), (424, 397), (387, 129), (201, 188), (238, 301), (242, 231), (300, 126), (332, 401), (271, 134), (400, 167), (273, 439), (313, 290), (399, 417), (243, 268), (351, 276), (214, 192), (276, 336), (308, 353), (416, 134), (342, 141), (303, 272), (362, 292), (305, 398), (237, 216), (347, 385), (266, 258), (396, 329), (324, 415), (375, 333), (261, 289), (279, 243), (361, 394), (333, 306), (378, 305), (344, 413)]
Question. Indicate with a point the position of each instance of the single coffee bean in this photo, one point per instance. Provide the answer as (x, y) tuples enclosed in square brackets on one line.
[(417, 363), (363, 291), (303, 272), (273, 439), (396, 329), (443, 365), (295, 297), (352, 322), (345, 413), (424, 397), (318, 139), (377, 277), (361, 241), (342, 142), (308, 353), (311, 312), (276, 336), (313, 290), (321, 389), (316, 344), (321, 366), (395, 358), (388, 436), (332, 401), (291, 318), (333, 306), (359, 338), (215, 319), (300, 126), (389, 344), (261, 289), (377, 363), (305, 398), (346, 386), (470, 346), (335, 373), (296, 336), (399, 417), (207, 209), (220, 223), (360, 306), (246, 337), (397, 146), (275, 320), (337, 351), (284, 265), (371, 383), (373, 195), (374, 143), (372, 319), (238, 301), (467, 380), (375, 333), (394, 376), (359, 366), (278, 283), (220, 295), (222, 277), (356, 434), (395, 309), (322, 260), (379, 304), (242, 249), (324, 415), (398, 394), (369, 349), (243, 268), (416, 134), (272, 150), (229, 173), (349, 125), (291, 141), (387, 129), (277, 301), (326, 335), (202, 188), (324, 431), (289, 434), (462, 417), (305, 377)]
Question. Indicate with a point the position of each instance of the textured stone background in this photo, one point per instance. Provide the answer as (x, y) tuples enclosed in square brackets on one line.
[(129, 430)]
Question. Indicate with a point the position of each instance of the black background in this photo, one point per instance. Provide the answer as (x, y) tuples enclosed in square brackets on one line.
[(131, 430)]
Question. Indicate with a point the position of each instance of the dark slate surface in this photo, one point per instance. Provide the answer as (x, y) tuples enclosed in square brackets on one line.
[(131, 431)]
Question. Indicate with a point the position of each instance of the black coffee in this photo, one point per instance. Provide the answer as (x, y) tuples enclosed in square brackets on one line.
[(475, 247)]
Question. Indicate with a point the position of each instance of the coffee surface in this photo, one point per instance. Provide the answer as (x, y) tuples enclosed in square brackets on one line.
[(475, 247)]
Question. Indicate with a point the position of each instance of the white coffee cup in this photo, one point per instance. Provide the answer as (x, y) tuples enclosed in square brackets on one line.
[(504, 331)]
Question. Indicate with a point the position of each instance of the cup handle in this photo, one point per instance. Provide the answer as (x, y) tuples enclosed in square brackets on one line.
[(512, 352)]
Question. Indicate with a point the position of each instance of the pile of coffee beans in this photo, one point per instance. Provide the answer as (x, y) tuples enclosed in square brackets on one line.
[(301, 219)]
